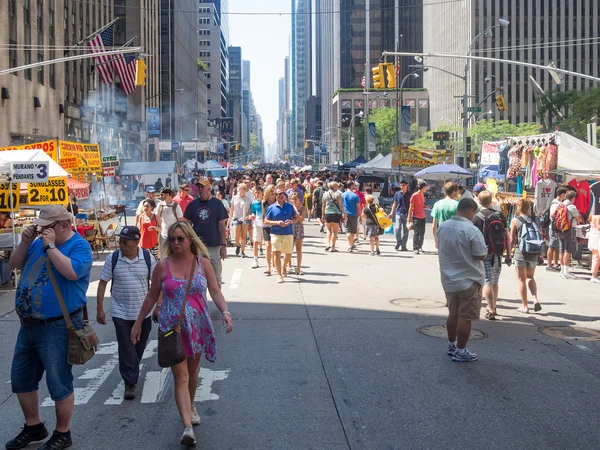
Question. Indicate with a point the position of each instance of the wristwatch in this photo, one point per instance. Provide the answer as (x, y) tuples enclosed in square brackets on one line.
[(50, 246)]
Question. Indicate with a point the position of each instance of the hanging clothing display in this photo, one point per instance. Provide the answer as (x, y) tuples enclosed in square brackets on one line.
[(551, 159), (595, 190), (503, 154), (515, 155), (545, 191), (520, 185), (583, 199)]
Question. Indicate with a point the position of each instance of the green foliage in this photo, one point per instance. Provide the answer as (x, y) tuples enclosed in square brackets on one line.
[(495, 131), (385, 128), (202, 66), (571, 110), (254, 144)]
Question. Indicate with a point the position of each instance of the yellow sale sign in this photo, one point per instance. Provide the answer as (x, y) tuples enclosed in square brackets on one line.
[(49, 147), (88, 156), (68, 163), (54, 192), (5, 197)]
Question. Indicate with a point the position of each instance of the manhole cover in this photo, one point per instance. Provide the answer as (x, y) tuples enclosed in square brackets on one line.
[(417, 303), (571, 333), (439, 331)]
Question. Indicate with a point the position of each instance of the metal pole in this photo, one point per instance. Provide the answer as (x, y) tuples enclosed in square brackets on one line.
[(171, 85), (465, 112), (397, 33), (367, 74)]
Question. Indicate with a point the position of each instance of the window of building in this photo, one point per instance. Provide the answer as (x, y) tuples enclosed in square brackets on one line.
[(40, 16), (208, 86), (40, 69), (51, 26), (12, 55), (26, 12), (52, 72), (27, 61), (208, 101)]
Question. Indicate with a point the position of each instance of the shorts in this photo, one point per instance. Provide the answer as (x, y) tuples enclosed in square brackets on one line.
[(594, 239), (333, 218), (465, 304), (373, 231), (567, 241), (44, 348), (298, 231), (266, 234), (525, 263), (352, 224), (257, 234), (283, 243), (493, 267), (553, 239)]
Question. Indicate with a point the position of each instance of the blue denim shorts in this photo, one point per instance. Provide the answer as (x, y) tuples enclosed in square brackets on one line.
[(42, 348)]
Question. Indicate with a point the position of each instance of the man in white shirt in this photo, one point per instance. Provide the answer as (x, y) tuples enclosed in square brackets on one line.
[(167, 213), (553, 243), (461, 252), (568, 239), (130, 269)]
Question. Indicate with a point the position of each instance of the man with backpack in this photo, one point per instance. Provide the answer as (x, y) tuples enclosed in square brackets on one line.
[(130, 269), (553, 244), (167, 212), (493, 226), (565, 220)]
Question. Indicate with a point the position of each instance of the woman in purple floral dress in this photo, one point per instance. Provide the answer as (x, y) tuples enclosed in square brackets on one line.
[(186, 252)]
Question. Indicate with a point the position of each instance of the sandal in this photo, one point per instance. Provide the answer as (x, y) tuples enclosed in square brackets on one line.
[(327, 249), (537, 307), (267, 273), (280, 280), (523, 310), (334, 250), (299, 272)]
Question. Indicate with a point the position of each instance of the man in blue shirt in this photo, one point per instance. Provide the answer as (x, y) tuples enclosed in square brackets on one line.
[(351, 202), (280, 216), (400, 207), (42, 341)]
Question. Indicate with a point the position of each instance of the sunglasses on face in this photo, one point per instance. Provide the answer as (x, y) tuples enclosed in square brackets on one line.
[(279, 193), (179, 239), (52, 225)]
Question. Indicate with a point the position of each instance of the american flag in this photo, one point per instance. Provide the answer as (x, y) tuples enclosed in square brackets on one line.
[(362, 83), (125, 65), (104, 65)]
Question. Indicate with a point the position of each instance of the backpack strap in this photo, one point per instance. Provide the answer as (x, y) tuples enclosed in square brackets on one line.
[(148, 263), (114, 260)]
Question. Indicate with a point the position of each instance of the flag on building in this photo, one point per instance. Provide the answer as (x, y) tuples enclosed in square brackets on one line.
[(104, 64), (362, 83), (125, 65)]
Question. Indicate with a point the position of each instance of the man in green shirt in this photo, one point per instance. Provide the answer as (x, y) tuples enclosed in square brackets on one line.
[(445, 209)]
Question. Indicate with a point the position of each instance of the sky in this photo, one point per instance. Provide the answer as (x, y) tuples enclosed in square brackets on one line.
[(265, 43)]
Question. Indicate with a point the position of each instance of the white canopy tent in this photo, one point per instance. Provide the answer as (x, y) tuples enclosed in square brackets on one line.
[(7, 157), (370, 164), (149, 172), (576, 156)]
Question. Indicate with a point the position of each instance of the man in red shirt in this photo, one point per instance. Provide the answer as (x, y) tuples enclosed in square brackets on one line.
[(183, 198), (416, 215)]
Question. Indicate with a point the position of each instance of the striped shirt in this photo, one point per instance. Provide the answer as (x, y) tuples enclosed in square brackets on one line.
[(130, 284)]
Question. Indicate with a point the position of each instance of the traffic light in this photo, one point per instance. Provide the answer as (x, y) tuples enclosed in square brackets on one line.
[(140, 73), (378, 77), (237, 147), (305, 144), (500, 103), (391, 75)]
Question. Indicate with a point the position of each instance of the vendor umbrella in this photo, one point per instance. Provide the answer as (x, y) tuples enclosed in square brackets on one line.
[(443, 172)]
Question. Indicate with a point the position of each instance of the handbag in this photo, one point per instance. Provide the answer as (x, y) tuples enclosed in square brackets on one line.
[(82, 343), (170, 343)]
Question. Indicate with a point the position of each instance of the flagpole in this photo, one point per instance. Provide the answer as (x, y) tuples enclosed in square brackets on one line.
[(90, 36), (120, 48)]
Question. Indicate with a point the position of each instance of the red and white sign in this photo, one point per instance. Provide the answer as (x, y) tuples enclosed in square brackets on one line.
[(489, 154), (108, 171)]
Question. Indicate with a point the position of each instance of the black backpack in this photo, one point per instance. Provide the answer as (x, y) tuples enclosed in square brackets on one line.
[(494, 233), (115, 259)]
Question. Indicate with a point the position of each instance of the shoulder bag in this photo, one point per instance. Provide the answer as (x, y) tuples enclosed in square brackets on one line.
[(82, 343), (170, 343)]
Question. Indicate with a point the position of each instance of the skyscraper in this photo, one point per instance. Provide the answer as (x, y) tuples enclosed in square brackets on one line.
[(537, 34), (301, 68)]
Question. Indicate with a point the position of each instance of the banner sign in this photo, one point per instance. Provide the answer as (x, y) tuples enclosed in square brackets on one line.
[(416, 158), (5, 198), (227, 127), (396, 156), (372, 148), (54, 192), (153, 121), (30, 171), (67, 163), (49, 148), (405, 125), (108, 171), (88, 156), (489, 154), (110, 161)]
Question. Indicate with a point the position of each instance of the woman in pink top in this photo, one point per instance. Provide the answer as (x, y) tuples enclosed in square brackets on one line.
[(170, 277), (416, 215)]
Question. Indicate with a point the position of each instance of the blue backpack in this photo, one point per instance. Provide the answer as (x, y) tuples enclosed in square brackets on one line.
[(531, 240)]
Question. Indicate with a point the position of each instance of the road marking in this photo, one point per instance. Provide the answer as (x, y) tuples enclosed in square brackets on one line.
[(207, 378), (583, 347), (235, 279), (154, 385), (118, 394)]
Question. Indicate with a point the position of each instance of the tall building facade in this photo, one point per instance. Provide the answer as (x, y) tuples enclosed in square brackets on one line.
[(537, 33), (235, 108), (301, 69), (179, 70), (213, 37)]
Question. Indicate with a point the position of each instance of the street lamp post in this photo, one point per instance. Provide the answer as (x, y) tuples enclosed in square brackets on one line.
[(502, 23), (352, 137)]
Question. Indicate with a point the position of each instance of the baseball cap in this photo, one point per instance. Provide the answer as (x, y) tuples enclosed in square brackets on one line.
[(130, 233), (479, 187), (203, 181), (150, 189), (51, 214)]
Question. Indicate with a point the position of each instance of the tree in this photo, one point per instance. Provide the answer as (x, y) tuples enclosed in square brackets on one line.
[(385, 128), (496, 131), (254, 144)]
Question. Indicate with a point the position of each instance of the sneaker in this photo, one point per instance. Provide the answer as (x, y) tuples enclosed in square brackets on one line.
[(354, 245), (372, 253), (58, 441), (129, 392), (550, 268), (30, 433), (568, 276), (465, 356), (416, 252), (595, 280), (378, 252), (195, 416), (188, 438), (327, 249), (396, 247), (451, 349), (255, 263), (350, 250), (243, 255), (237, 250), (403, 249)]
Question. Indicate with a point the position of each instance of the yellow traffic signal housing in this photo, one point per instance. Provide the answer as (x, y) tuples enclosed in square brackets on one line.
[(305, 144), (140, 73), (500, 102), (237, 147), (378, 77), (391, 75)]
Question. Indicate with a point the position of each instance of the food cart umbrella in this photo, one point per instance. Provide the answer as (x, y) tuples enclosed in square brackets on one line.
[(443, 172)]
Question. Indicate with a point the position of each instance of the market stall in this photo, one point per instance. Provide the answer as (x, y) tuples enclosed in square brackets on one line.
[(149, 172)]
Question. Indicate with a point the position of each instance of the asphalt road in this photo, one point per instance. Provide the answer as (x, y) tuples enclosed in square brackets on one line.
[(334, 360)]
